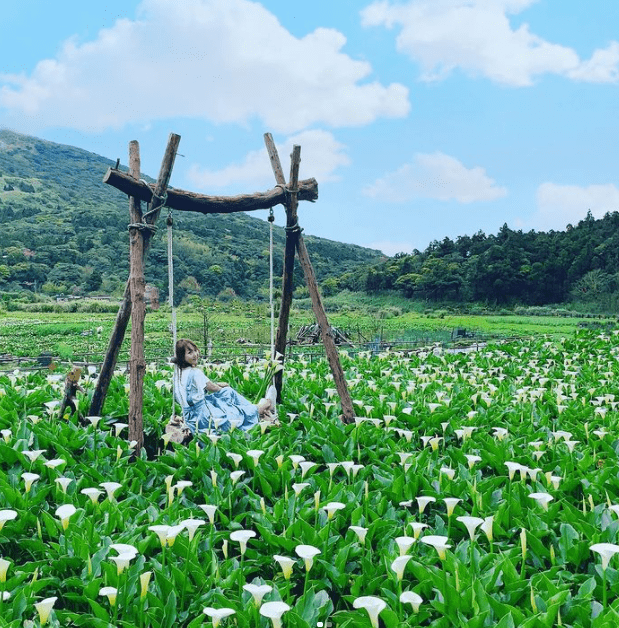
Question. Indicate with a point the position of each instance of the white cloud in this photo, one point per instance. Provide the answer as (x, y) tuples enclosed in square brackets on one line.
[(477, 36), (436, 176), (390, 248), (560, 205), (321, 156), (218, 60)]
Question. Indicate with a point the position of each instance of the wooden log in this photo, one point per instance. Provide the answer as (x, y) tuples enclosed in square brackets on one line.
[(124, 311), (289, 252), (111, 356), (348, 412), (203, 204), (137, 283)]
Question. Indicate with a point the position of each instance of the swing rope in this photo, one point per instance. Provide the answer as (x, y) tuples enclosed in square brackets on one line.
[(170, 223), (271, 219)]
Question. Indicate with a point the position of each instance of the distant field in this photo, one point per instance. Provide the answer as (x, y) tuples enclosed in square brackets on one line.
[(84, 337)]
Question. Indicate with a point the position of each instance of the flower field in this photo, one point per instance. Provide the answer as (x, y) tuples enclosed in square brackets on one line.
[(477, 489)]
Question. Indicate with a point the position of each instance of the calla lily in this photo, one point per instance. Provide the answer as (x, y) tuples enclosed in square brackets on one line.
[(242, 536), (360, 532), (111, 593), (162, 532), (332, 507), (56, 462), (404, 543), (64, 483), (439, 543), (417, 528), (7, 515), (110, 488), (173, 532), (274, 611), (286, 564), (486, 527), (332, 466), (64, 513), (4, 567), (236, 458), (306, 466), (92, 493), (6, 435), (28, 479), (373, 605), (119, 427), (512, 467), (235, 476), (471, 524), (44, 608), (543, 499), (299, 486), (33, 454), (409, 597), (144, 580), (399, 565), (257, 591), (182, 485), (217, 614), (449, 472), (94, 420), (296, 460), (606, 551), (472, 460), (122, 561), (255, 454), (210, 511), (124, 548), (423, 501), (307, 553), (451, 503), (191, 525)]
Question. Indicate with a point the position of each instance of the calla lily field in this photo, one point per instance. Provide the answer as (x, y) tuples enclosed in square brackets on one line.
[(474, 489)]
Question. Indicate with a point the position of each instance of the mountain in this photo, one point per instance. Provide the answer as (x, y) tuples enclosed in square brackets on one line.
[(64, 231)]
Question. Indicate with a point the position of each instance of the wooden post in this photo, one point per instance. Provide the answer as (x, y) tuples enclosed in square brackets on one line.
[(319, 310), (348, 412), (138, 235), (124, 311), (295, 240), (289, 252)]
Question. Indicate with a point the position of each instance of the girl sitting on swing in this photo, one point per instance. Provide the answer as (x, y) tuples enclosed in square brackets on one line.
[(209, 406)]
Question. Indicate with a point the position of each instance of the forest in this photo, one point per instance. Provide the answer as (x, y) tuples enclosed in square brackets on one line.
[(578, 265), (65, 233)]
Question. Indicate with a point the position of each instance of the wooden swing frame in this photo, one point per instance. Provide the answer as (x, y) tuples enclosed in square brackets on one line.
[(141, 228)]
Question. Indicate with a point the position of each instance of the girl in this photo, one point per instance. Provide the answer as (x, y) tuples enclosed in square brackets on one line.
[(208, 405)]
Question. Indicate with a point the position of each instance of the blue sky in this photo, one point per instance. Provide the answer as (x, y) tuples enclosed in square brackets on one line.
[(420, 119)]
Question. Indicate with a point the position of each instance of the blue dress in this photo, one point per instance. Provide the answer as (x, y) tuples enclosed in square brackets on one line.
[(217, 411)]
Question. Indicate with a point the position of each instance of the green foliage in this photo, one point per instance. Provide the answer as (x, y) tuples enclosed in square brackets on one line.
[(579, 264), (65, 230), (496, 430)]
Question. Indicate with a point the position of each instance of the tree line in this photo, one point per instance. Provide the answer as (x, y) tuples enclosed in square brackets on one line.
[(512, 267)]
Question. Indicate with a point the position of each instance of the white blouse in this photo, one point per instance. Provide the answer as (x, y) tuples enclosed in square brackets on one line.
[(200, 380)]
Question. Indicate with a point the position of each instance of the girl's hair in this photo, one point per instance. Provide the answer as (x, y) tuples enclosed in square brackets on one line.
[(180, 349)]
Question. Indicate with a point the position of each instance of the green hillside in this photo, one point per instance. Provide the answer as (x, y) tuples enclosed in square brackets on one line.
[(65, 232)]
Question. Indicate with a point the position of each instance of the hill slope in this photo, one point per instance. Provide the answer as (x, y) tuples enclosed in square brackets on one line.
[(64, 231)]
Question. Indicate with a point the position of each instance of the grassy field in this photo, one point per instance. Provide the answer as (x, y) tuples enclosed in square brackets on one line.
[(245, 329)]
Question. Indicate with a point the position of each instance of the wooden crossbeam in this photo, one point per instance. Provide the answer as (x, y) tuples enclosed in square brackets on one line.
[(203, 204)]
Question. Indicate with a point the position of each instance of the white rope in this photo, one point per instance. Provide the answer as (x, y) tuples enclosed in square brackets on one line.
[(171, 302), (271, 285)]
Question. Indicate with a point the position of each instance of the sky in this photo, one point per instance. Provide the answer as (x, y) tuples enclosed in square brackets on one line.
[(420, 119)]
